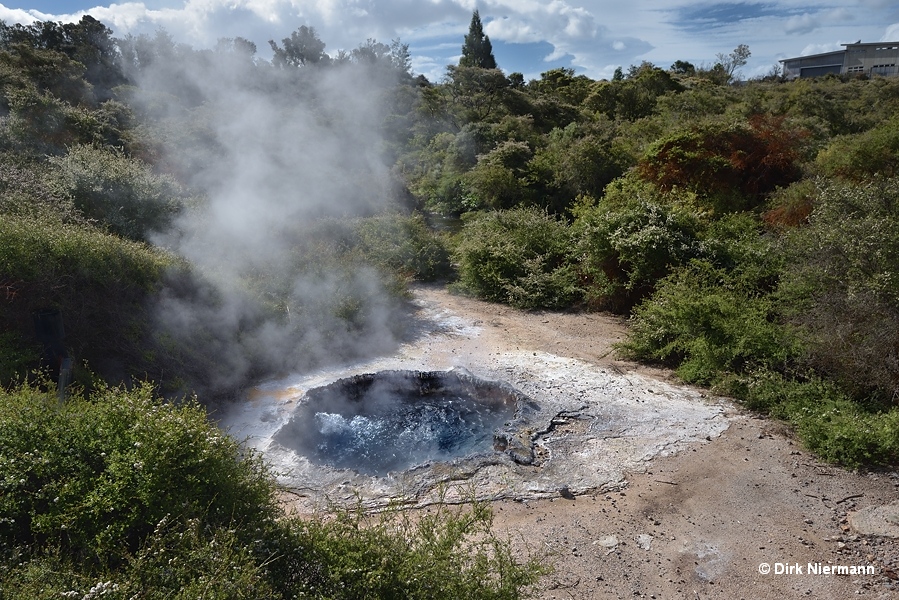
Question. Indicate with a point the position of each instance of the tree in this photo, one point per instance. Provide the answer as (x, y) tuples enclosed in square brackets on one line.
[(303, 47), (478, 93), (87, 42), (682, 67), (477, 51), (733, 61)]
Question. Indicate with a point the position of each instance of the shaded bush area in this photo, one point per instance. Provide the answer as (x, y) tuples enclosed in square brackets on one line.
[(121, 495), (706, 322), (624, 250), (731, 167), (121, 194), (840, 286), (101, 284)]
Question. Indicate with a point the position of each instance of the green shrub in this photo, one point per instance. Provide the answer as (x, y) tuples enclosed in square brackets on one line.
[(827, 420), (625, 250), (119, 192), (446, 553), (26, 192), (841, 286), (499, 179), (841, 431), (861, 156), (101, 284), (706, 323), (43, 249), (126, 495), (576, 161), (95, 477), (520, 256), (405, 245)]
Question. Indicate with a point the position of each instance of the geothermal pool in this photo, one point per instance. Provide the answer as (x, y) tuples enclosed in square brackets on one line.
[(462, 412), (392, 421)]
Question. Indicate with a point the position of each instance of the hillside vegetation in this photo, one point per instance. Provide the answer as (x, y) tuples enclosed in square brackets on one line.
[(200, 218)]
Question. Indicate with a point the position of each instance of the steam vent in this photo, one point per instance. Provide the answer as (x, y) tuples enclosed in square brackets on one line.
[(390, 421)]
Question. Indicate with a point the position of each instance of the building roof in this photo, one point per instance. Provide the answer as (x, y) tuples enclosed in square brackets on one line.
[(890, 45), (833, 53), (887, 45)]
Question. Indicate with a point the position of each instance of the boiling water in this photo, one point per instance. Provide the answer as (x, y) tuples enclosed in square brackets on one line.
[(376, 424)]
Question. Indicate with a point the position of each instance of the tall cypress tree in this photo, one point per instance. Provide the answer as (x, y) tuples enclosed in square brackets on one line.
[(477, 51)]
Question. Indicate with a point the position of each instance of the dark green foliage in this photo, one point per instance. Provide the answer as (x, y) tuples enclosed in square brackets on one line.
[(829, 422), (446, 553), (302, 48), (87, 42), (95, 478), (100, 282), (119, 193), (477, 51), (576, 161), (405, 246), (633, 97), (841, 287), (500, 179), (563, 84), (520, 256), (476, 95)]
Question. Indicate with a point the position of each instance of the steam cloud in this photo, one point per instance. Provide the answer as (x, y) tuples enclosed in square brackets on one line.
[(280, 151)]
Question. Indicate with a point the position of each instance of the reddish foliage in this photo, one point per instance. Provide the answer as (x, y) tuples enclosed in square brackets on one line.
[(751, 159), (789, 215)]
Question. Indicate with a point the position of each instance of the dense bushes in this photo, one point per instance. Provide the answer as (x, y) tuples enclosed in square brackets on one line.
[(123, 494), (101, 284), (521, 256), (731, 167), (810, 303), (119, 193), (404, 245), (858, 157), (840, 286), (95, 478), (624, 250), (806, 330), (705, 322)]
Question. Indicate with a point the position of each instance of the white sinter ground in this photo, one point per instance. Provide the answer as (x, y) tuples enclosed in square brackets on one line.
[(595, 424)]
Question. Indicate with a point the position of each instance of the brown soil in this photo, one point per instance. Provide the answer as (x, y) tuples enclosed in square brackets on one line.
[(700, 523)]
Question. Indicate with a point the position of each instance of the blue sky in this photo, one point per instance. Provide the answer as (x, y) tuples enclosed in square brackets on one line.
[(531, 36)]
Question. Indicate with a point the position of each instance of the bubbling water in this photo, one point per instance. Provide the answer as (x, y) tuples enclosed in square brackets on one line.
[(395, 420)]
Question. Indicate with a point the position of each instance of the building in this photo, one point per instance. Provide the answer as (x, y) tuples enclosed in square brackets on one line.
[(878, 58)]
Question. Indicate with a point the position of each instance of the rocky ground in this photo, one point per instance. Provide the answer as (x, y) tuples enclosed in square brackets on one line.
[(702, 522), (675, 503)]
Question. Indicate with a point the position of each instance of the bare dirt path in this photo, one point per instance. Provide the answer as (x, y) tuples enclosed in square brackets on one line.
[(703, 522)]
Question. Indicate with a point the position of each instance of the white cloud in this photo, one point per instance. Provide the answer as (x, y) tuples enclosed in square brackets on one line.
[(804, 23), (892, 33), (596, 35)]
